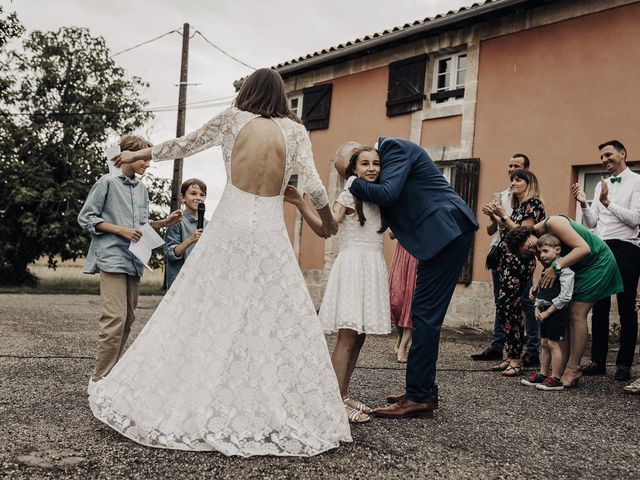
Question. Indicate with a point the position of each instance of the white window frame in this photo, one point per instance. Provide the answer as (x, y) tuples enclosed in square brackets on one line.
[(453, 77), (298, 109)]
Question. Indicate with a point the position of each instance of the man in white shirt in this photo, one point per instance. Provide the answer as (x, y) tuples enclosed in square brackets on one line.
[(615, 215), (531, 358)]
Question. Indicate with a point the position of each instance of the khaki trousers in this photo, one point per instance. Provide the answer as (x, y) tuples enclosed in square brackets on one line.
[(119, 295)]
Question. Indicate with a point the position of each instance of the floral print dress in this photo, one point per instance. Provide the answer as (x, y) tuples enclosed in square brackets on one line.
[(514, 272)]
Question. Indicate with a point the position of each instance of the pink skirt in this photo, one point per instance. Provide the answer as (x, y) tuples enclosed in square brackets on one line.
[(402, 284)]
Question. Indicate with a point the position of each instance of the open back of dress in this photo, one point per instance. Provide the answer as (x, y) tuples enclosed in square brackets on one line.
[(258, 158)]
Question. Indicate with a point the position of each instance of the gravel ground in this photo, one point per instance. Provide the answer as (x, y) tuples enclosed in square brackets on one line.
[(486, 427)]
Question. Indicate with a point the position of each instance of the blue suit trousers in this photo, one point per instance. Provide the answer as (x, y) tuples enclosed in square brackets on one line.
[(436, 281)]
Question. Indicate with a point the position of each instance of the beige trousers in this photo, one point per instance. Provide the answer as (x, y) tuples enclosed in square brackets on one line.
[(119, 295)]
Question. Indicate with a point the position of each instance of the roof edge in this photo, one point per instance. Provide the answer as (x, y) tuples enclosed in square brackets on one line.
[(367, 45)]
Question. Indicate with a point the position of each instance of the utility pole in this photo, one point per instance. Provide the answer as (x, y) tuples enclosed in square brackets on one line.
[(182, 111)]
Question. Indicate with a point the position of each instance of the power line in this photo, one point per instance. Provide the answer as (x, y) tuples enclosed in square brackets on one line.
[(144, 43), (198, 102), (222, 51), (191, 36), (212, 102)]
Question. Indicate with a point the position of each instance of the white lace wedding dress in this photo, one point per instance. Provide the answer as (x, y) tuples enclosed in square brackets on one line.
[(234, 358)]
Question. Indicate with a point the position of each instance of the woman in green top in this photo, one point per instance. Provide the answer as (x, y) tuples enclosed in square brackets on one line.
[(596, 277)]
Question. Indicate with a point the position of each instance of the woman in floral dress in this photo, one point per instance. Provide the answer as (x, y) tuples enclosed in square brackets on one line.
[(514, 270)]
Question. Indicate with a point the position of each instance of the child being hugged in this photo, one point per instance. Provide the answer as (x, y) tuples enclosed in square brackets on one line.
[(182, 237), (114, 211), (552, 313), (356, 300)]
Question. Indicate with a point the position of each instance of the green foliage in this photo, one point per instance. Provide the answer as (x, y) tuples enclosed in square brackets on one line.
[(71, 97), (10, 27), (159, 198)]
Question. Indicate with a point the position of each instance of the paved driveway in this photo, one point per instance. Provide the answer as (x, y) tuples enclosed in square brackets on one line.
[(487, 426)]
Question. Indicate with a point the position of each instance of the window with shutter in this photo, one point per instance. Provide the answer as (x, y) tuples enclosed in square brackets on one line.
[(316, 106), (406, 85), (463, 177)]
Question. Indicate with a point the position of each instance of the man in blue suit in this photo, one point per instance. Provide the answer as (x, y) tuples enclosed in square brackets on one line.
[(436, 226)]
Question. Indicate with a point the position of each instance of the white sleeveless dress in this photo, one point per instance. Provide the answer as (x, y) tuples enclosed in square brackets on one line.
[(357, 293), (234, 358)]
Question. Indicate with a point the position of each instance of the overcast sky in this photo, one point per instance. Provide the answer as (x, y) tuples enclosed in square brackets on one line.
[(261, 33)]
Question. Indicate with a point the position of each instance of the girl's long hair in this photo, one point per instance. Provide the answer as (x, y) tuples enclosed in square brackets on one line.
[(263, 93), (351, 170)]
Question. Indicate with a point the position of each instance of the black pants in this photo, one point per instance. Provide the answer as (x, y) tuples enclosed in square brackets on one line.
[(628, 260)]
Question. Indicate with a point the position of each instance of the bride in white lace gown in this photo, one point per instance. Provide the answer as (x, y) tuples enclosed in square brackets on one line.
[(234, 358)]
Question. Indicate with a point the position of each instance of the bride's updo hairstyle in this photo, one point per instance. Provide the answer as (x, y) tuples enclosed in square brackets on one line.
[(263, 93)]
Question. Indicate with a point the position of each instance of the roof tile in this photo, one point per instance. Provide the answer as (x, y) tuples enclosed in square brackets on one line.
[(386, 32)]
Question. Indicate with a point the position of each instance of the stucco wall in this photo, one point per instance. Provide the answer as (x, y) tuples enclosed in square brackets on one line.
[(441, 132), (555, 93)]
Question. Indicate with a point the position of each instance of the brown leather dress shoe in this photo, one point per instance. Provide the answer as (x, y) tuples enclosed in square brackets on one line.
[(397, 398), (405, 409)]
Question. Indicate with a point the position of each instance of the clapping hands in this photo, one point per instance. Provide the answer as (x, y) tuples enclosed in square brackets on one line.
[(604, 192), (578, 194), (493, 211)]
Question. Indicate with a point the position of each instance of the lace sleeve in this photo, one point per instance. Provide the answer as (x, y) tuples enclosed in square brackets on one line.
[(306, 167), (210, 134)]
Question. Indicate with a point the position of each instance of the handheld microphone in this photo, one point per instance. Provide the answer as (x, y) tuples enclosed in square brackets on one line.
[(201, 208)]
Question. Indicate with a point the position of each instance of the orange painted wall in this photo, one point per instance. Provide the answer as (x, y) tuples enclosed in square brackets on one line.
[(555, 93), (357, 113), (441, 132)]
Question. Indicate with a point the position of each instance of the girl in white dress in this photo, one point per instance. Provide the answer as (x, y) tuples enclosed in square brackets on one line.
[(356, 300), (234, 357)]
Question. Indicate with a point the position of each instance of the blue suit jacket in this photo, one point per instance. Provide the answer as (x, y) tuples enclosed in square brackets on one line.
[(423, 211)]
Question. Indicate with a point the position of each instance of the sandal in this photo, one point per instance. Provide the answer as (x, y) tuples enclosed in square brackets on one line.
[(574, 382), (356, 405), (501, 367), (512, 371), (356, 416)]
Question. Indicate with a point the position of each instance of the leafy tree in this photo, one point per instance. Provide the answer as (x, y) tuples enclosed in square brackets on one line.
[(159, 200), (10, 27), (70, 97)]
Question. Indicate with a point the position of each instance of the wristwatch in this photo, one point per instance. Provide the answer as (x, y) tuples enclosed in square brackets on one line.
[(504, 219), (557, 269)]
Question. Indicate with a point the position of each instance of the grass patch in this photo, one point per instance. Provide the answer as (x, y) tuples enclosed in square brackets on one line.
[(69, 279)]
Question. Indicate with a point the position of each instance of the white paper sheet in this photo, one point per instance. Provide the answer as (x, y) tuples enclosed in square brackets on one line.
[(109, 153), (143, 247)]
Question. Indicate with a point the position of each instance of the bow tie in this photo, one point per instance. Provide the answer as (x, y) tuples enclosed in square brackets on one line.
[(615, 179)]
